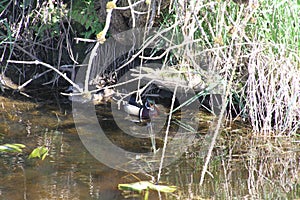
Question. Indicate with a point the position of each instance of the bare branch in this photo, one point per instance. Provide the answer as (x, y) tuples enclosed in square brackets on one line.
[(36, 62)]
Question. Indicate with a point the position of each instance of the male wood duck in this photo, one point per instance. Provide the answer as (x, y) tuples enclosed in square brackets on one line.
[(143, 112)]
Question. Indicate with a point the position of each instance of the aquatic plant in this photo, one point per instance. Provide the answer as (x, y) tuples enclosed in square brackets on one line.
[(12, 148), (144, 187), (39, 152)]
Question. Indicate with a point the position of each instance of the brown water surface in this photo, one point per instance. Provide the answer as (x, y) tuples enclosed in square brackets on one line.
[(242, 166)]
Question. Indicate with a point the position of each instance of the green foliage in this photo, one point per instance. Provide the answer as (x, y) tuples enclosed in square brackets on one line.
[(12, 148), (39, 152), (83, 12), (48, 17), (3, 4), (277, 22), (272, 21)]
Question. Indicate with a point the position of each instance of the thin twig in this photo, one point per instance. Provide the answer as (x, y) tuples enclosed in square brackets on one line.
[(36, 62), (34, 77), (84, 40), (166, 136), (130, 5), (152, 16), (132, 13), (146, 45)]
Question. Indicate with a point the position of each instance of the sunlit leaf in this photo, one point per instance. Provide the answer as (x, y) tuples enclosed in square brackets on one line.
[(16, 148), (35, 153), (145, 185), (163, 188), (39, 152), (137, 186), (44, 155), (17, 145)]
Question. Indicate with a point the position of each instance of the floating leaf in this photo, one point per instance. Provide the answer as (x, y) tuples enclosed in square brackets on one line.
[(145, 185), (39, 152), (17, 148), (163, 188), (137, 186)]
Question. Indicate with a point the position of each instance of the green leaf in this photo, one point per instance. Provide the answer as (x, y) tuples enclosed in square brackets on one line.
[(17, 145), (145, 185), (16, 148), (163, 188), (39, 152), (137, 186)]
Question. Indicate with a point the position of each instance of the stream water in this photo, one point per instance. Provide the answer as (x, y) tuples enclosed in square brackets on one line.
[(242, 167)]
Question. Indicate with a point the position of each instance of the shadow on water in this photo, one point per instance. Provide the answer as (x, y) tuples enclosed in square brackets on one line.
[(243, 166)]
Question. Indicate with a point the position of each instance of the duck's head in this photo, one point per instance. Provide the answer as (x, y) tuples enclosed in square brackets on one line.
[(150, 104)]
